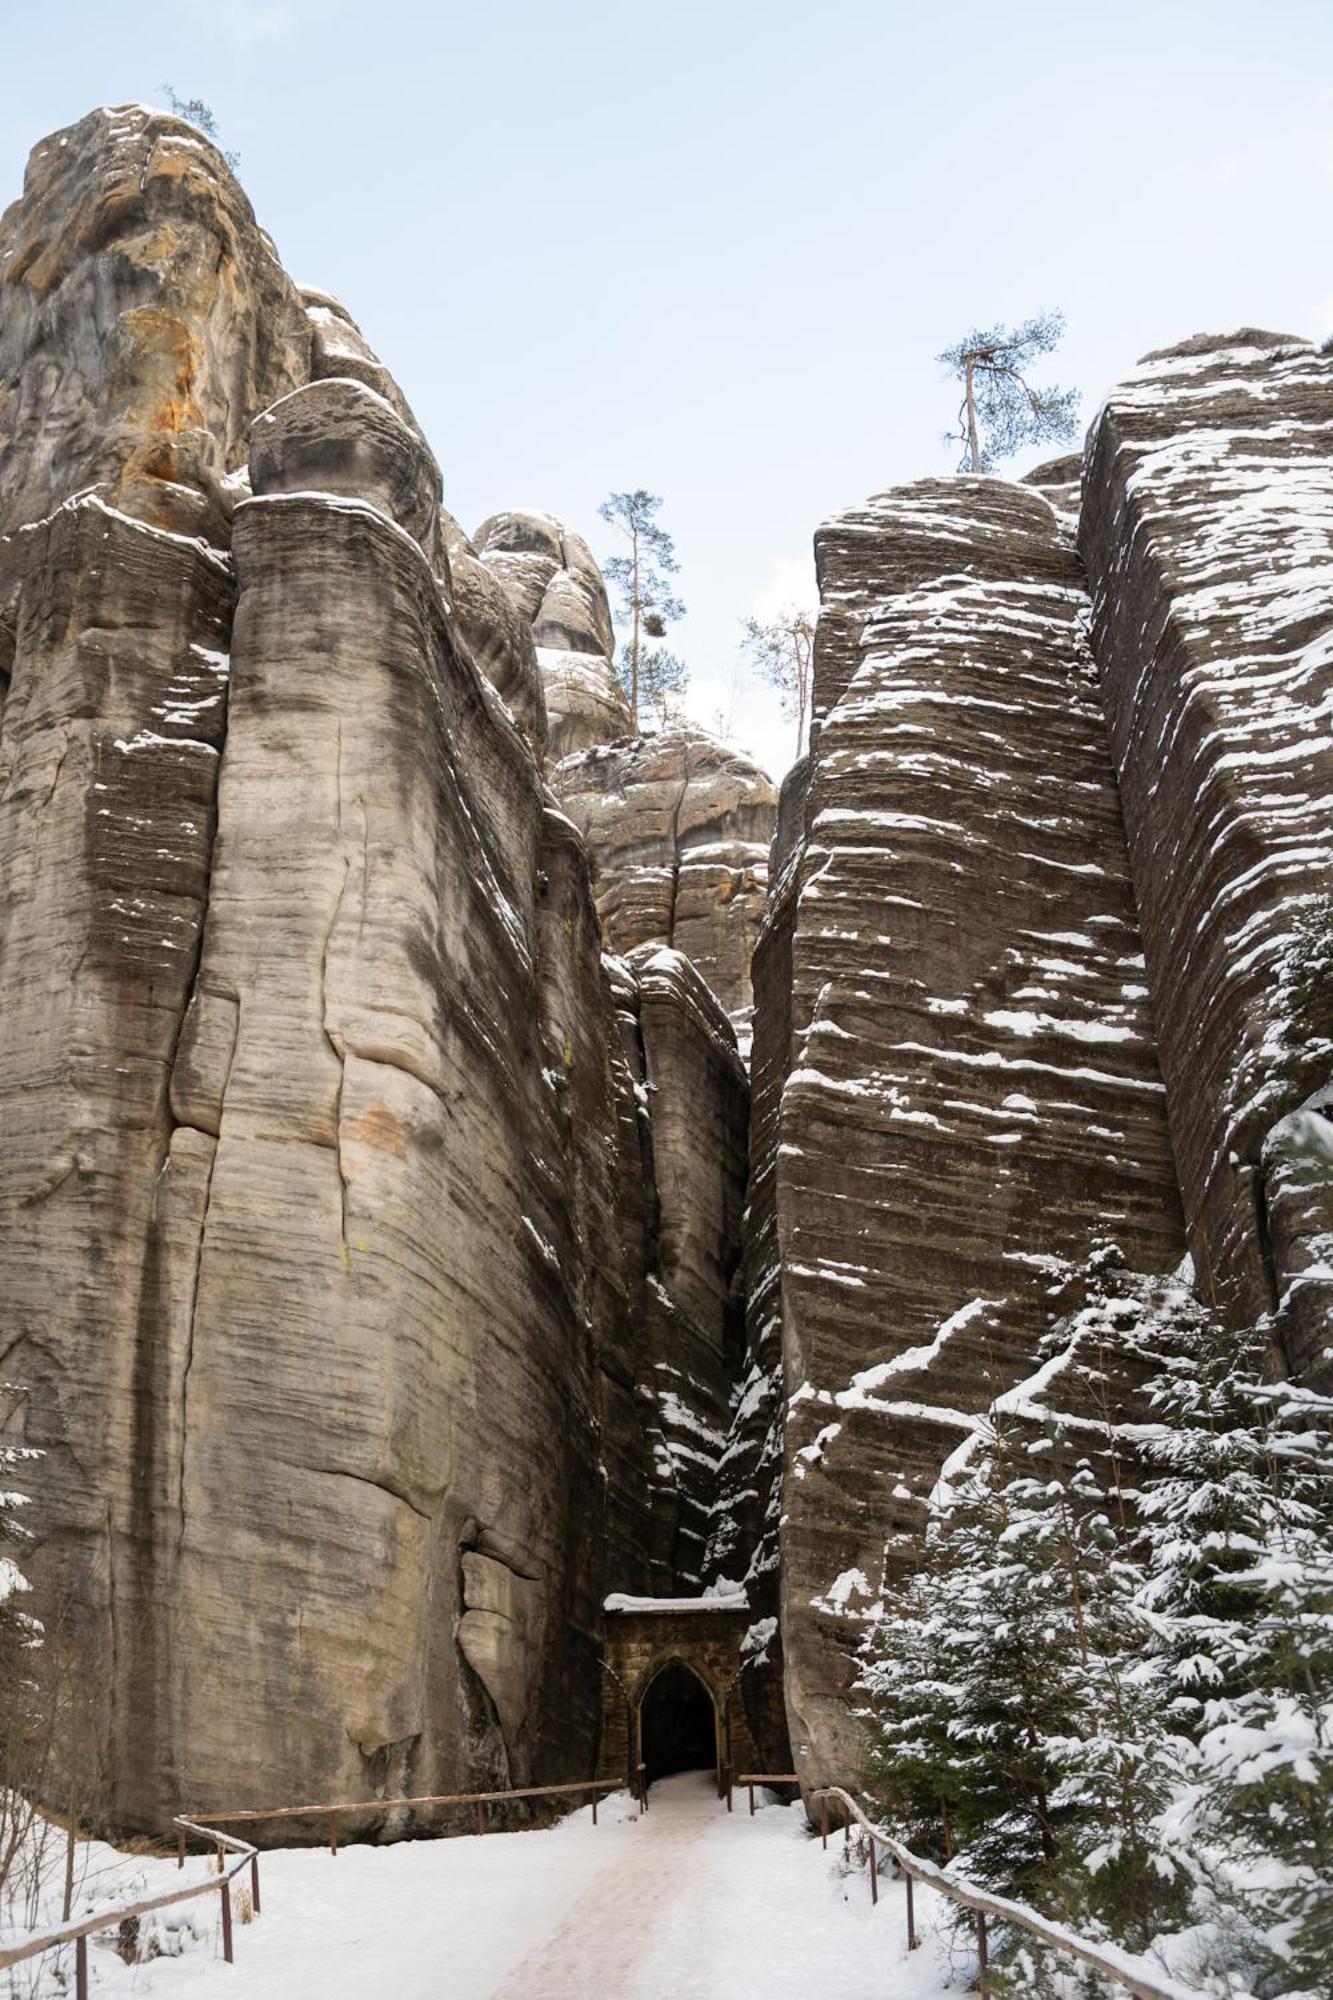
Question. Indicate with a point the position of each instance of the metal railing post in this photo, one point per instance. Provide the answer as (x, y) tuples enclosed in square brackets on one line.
[(912, 1939), (254, 1882), (594, 1806), (180, 1846), (750, 1790), (823, 1823), (333, 1833), (874, 1876)]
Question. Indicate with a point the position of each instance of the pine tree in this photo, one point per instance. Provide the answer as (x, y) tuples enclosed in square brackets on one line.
[(1110, 1682), (1239, 1545), (781, 650), (642, 576), (662, 678), (17, 1628), (1001, 410), (196, 111)]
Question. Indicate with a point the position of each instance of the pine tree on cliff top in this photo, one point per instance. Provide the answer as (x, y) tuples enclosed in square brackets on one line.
[(642, 576), (1001, 410)]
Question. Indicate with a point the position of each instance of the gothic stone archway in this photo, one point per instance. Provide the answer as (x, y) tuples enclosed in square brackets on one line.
[(644, 1638)]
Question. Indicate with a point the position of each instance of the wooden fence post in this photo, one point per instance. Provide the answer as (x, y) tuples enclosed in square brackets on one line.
[(225, 1887), (983, 1956), (81, 1968), (254, 1882), (874, 1877)]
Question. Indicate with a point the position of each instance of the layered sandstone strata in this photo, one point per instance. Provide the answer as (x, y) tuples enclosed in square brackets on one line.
[(1208, 534), (679, 826), (969, 1087), (317, 1258), (551, 577)]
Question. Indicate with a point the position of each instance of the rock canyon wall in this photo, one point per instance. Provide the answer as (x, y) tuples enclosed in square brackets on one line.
[(367, 1239), (1047, 960), (394, 1255)]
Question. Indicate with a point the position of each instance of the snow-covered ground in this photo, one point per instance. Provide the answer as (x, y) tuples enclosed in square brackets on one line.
[(686, 1903)]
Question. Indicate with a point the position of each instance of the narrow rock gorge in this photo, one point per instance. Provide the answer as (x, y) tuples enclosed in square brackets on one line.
[(463, 1160)]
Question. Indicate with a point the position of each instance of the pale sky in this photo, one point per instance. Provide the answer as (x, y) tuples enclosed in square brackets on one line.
[(712, 247)]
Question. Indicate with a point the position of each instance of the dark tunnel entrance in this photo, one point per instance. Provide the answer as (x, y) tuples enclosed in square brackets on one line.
[(677, 1725)]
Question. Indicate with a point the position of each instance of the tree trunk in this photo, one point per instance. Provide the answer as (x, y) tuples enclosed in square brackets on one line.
[(803, 666), (974, 442), (635, 616)]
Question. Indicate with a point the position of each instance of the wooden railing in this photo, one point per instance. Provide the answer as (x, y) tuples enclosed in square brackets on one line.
[(79, 1933), (1136, 1975), (752, 1778), (224, 1844), (589, 1787)]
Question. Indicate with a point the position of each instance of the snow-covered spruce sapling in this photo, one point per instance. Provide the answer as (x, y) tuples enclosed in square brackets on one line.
[(1238, 1541), (641, 573), (1001, 409), (1009, 1725)]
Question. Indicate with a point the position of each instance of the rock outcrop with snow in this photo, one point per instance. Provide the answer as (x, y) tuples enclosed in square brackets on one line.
[(1208, 534), (1048, 958), (551, 577), (969, 1078), (341, 1339), (679, 826), (374, 1249)]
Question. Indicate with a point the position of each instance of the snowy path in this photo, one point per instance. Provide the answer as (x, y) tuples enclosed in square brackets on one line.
[(686, 1903), (699, 1906)]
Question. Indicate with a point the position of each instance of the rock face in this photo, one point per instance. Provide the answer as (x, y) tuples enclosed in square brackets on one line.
[(359, 1375), (144, 319), (551, 577), (679, 826), (956, 1080), (693, 1103), (1208, 534), (1020, 867), (373, 1243)]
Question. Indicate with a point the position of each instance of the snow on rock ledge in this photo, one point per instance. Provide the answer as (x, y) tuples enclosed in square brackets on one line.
[(1208, 533)]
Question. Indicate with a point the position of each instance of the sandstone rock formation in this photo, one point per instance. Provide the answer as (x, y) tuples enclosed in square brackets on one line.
[(354, 1370), (144, 319), (693, 1099), (379, 1252), (679, 826), (1208, 534), (967, 971), (959, 1030), (551, 577)]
